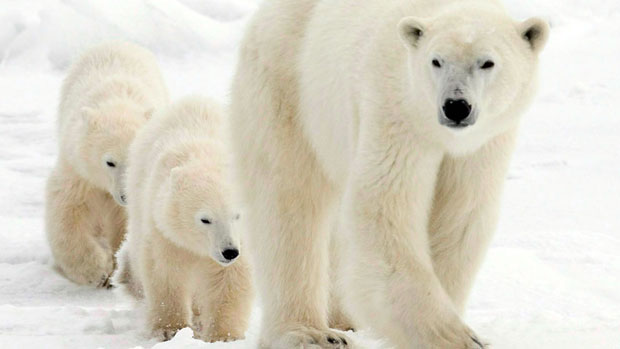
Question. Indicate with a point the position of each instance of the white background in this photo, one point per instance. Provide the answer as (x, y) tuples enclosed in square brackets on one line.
[(552, 276)]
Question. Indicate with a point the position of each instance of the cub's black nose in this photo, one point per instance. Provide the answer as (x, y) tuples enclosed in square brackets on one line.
[(456, 110), (230, 254)]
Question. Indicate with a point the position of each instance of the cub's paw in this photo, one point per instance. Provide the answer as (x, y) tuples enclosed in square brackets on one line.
[(95, 269), (100, 271), (106, 282), (219, 337), (210, 331), (310, 338), (165, 333)]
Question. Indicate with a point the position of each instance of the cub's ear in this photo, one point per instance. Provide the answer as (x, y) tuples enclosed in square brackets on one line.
[(87, 113), (170, 160), (535, 31), (176, 178), (89, 116), (411, 30), (149, 112)]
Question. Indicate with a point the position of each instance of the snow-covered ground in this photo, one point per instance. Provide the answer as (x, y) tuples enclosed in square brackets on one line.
[(552, 276)]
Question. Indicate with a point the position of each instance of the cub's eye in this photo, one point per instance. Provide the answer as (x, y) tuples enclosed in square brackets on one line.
[(236, 217), (436, 63), (487, 65), (110, 164), (205, 221)]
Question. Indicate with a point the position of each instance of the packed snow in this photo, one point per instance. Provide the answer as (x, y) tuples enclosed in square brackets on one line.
[(552, 276)]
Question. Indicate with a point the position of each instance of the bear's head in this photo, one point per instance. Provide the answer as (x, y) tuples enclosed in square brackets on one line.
[(195, 211), (472, 69), (110, 129)]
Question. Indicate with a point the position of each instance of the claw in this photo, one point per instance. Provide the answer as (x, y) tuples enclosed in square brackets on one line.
[(105, 282), (477, 341)]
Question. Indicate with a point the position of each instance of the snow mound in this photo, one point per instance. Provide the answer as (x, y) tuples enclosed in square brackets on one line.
[(54, 32)]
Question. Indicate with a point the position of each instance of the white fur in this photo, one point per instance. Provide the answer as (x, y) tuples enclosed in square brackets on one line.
[(108, 95), (336, 113), (178, 176)]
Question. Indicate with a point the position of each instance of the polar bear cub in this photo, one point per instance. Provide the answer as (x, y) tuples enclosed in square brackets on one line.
[(183, 230), (108, 95)]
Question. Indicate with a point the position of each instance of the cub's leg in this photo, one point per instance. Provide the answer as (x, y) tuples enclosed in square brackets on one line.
[(223, 300), (114, 224), (167, 286), (465, 213), (74, 229)]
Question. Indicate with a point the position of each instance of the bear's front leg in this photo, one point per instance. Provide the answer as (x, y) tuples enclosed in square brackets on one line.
[(73, 228), (114, 221), (168, 287), (465, 213), (223, 300), (391, 282)]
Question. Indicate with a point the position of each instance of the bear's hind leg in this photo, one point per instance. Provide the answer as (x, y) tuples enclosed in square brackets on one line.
[(337, 317), (288, 200), (289, 240)]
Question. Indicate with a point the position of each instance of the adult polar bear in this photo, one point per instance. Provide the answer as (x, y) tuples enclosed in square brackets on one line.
[(396, 120)]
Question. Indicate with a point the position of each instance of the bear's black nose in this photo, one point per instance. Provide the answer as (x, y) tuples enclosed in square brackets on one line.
[(456, 110), (230, 254)]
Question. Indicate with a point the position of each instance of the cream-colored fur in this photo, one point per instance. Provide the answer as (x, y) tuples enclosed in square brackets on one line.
[(181, 219), (108, 95), (337, 116)]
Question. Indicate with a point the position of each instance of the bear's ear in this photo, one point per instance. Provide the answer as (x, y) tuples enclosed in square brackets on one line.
[(149, 112), (171, 161), (89, 116), (87, 113), (176, 178), (535, 31), (411, 30)]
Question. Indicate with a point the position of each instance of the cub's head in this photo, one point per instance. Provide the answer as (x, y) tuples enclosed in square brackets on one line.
[(473, 67), (110, 129), (195, 212)]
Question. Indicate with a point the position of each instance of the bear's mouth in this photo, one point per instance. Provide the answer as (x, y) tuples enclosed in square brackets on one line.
[(457, 124), (454, 125), (224, 262)]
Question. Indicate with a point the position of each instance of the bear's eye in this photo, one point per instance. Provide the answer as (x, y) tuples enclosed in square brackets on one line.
[(110, 164), (487, 65), (436, 63), (236, 217), (205, 221)]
